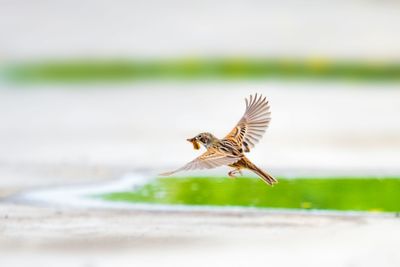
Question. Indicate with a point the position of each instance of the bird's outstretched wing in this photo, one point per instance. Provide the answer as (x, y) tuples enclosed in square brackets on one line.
[(251, 127), (212, 158)]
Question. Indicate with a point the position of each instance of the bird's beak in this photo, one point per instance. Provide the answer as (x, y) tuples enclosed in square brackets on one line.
[(195, 143)]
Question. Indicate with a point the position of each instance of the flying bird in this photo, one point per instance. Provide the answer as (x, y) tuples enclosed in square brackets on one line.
[(230, 150)]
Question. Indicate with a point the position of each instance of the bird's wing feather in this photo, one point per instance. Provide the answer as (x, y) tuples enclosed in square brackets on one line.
[(251, 127), (212, 158)]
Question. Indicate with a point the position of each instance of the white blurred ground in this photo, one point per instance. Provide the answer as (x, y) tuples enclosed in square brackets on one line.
[(32, 236), (338, 127), (118, 28)]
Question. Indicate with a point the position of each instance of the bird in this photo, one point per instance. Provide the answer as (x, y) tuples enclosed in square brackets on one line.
[(231, 149)]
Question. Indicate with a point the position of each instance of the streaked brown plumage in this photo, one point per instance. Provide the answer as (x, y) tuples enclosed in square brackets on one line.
[(230, 150)]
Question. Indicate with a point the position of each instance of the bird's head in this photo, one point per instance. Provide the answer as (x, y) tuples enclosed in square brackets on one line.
[(206, 139)]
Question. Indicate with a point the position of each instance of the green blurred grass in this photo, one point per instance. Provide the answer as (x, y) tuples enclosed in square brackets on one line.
[(192, 69), (342, 193)]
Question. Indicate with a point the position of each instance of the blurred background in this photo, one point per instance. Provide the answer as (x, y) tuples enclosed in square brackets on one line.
[(93, 90), (122, 84)]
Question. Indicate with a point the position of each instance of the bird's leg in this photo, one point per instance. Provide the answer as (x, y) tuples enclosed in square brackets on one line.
[(235, 171)]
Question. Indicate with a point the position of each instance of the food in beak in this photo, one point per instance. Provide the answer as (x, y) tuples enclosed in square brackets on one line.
[(195, 143)]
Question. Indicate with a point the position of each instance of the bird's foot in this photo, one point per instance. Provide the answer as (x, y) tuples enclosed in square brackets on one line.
[(234, 172)]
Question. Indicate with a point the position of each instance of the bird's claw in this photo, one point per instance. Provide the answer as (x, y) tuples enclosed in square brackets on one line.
[(232, 173)]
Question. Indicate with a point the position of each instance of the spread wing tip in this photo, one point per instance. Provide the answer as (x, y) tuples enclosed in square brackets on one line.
[(255, 98), (167, 173)]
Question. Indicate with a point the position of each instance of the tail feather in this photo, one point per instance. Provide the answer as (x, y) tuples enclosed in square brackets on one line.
[(264, 175)]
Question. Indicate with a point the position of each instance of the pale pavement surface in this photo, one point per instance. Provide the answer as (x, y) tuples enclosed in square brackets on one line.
[(62, 136), (33, 236), (338, 126), (117, 28)]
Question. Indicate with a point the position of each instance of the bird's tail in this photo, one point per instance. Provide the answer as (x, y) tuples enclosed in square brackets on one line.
[(263, 175)]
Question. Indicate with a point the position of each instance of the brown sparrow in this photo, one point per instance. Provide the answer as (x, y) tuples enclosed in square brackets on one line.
[(230, 150)]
